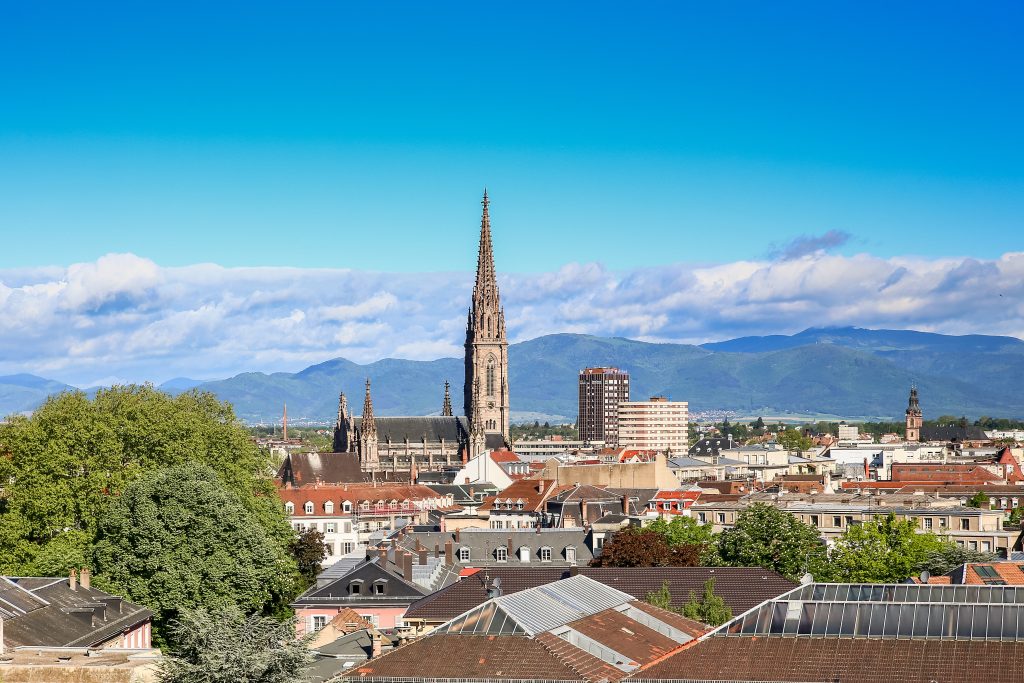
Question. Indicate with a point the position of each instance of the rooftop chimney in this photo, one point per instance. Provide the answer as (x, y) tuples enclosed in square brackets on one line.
[(383, 556), (510, 546), (437, 550), (457, 534), (449, 553), (73, 580), (85, 578), (422, 552), (407, 566)]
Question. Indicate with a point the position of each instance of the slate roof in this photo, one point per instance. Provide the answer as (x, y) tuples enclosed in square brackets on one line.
[(850, 660), (742, 588), (453, 429), (329, 468), (711, 446), (397, 591), (57, 616), (953, 433)]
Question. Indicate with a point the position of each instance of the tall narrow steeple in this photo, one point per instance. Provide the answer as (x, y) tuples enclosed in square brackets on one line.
[(485, 392), (915, 419), (368, 425), (342, 426), (446, 410)]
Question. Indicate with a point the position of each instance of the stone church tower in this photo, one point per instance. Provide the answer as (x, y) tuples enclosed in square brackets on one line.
[(486, 389), (914, 419)]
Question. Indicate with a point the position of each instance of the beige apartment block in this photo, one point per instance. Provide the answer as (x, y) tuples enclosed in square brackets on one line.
[(657, 424)]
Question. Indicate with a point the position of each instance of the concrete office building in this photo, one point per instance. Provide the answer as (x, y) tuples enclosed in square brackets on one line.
[(601, 392), (657, 424)]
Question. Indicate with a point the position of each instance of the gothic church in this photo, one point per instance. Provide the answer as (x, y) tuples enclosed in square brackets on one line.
[(407, 444)]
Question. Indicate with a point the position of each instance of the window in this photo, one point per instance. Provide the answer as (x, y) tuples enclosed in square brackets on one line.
[(965, 524), (545, 554), (927, 522), (329, 508), (355, 588), (501, 554), (837, 521), (702, 517), (721, 518), (289, 508), (986, 571), (319, 621), (346, 506), (490, 376), (570, 553), (972, 545), (364, 505), (814, 520), (330, 527), (463, 554), (308, 507), (378, 587), (943, 523), (349, 547), (524, 554)]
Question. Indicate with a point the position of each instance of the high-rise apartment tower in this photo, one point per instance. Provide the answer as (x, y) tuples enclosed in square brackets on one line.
[(601, 392)]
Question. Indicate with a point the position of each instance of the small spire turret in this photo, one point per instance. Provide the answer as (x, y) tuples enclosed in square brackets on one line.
[(446, 410), (368, 425)]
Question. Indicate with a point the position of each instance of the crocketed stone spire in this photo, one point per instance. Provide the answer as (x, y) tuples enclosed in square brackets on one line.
[(447, 409), (485, 392), (368, 425)]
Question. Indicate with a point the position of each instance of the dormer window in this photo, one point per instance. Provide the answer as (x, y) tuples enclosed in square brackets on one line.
[(524, 554), (289, 507), (329, 507), (308, 507), (346, 506), (463, 554), (501, 554), (570, 554), (545, 554), (379, 587), (355, 588), (364, 505)]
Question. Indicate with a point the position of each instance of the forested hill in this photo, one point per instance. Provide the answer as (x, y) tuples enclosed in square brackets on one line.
[(847, 372)]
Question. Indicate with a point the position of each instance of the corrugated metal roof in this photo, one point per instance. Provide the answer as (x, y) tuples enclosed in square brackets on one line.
[(552, 605)]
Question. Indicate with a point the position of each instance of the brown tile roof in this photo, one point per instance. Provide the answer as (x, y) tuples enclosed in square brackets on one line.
[(585, 664), (533, 492), (941, 473), (613, 629), (467, 656), (741, 587), (354, 493), (688, 626), (850, 660), (503, 455)]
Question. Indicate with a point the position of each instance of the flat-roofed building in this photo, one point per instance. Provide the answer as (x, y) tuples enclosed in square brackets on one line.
[(657, 424), (601, 392)]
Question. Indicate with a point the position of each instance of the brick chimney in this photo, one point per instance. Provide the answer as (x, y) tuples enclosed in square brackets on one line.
[(376, 647), (73, 580), (383, 556), (509, 547), (437, 550), (407, 565), (84, 577), (449, 553), (457, 536), (422, 552), (625, 504)]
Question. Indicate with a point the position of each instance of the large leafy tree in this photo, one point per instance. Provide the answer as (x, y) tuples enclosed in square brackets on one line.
[(792, 440), (178, 538), (765, 536), (635, 547), (686, 531), (709, 608), (309, 553), (890, 550), (63, 466), (225, 646)]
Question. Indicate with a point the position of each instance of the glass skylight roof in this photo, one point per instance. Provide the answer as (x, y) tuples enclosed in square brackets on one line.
[(944, 612)]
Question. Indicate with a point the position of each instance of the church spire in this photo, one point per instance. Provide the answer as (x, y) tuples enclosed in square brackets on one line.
[(447, 409), (368, 425), (486, 300)]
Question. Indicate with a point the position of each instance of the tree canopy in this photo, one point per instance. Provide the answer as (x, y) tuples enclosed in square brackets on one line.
[(765, 536), (75, 454), (177, 538), (791, 439), (635, 547), (709, 608), (225, 646), (686, 531)]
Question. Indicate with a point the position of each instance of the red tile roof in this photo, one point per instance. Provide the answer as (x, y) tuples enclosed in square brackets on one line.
[(533, 492), (355, 494), (939, 473), (1010, 572), (500, 456)]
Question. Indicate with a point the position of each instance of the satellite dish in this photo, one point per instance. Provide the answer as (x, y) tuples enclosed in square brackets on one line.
[(806, 579), (925, 575)]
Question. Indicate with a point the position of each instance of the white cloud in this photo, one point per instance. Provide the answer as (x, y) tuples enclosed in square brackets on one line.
[(127, 317)]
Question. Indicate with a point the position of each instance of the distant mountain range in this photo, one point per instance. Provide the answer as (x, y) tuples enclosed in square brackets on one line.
[(847, 372)]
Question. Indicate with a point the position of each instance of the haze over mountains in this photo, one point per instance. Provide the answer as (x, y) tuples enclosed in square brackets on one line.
[(847, 372)]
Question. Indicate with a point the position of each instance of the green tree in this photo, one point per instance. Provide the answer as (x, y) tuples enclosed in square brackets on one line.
[(686, 531), (765, 536), (309, 552), (979, 500), (225, 646), (661, 598), (949, 556), (709, 608), (178, 538), (792, 440), (75, 455), (883, 550)]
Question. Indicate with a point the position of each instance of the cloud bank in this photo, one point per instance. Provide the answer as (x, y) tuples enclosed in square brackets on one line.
[(123, 317)]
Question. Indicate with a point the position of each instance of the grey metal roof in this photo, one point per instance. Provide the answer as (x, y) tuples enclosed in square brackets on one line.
[(539, 609)]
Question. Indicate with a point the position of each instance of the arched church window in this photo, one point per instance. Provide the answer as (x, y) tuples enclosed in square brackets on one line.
[(490, 376)]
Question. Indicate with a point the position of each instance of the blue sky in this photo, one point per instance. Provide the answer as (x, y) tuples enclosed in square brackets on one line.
[(296, 134), (666, 170)]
